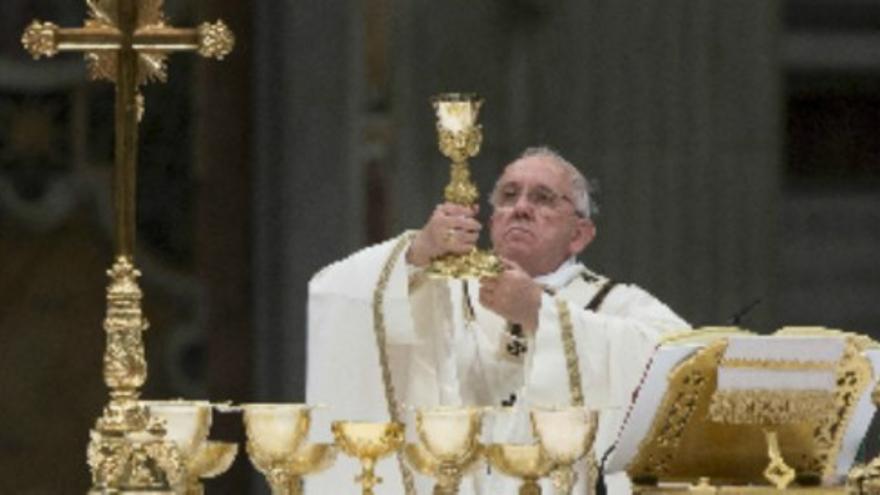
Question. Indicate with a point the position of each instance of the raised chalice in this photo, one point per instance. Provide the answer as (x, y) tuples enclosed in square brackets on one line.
[(448, 445), (368, 442), (459, 138), (565, 434)]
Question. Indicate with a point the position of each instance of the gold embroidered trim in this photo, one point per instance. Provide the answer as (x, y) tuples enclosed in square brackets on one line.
[(770, 407), (381, 344), (778, 364), (576, 390), (571, 357)]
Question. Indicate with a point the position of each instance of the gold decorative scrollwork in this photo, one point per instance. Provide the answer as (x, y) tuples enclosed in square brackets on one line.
[(39, 39), (215, 40), (769, 407)]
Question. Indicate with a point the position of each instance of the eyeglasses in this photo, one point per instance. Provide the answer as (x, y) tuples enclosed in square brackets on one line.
[(540, 197)]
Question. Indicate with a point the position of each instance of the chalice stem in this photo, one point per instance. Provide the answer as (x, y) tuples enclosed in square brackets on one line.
[(530, 487), (368, 477), (296, 485), (564, 478)]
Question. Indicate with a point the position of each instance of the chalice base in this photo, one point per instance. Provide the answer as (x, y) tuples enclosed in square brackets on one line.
[(475, 264)]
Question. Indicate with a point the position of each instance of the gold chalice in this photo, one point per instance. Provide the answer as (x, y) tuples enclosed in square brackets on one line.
[(565, 435), (275, 433), (369, 442), (526, 462), (459, 138), (187, 424), (448, 445)]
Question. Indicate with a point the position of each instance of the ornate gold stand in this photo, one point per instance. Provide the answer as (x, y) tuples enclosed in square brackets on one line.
[(127, 43), (459, 138)]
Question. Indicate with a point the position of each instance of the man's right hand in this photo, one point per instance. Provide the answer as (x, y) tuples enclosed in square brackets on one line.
[(452, 229)]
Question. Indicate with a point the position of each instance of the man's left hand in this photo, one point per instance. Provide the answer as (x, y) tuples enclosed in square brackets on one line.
[(513, 295)]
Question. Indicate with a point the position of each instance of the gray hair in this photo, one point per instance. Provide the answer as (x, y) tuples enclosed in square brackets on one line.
[(581, 189)]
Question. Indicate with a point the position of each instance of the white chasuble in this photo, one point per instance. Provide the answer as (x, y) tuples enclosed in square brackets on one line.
[(443, 348)]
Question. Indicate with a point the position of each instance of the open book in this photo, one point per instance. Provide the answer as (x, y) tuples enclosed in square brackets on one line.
[(708, 397)]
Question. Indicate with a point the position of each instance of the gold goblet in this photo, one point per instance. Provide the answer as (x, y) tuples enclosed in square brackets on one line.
[(274, 435), (187, 424), (448, 445), (526, 462), (459, 138), (565, 435), (369, 442), (211, 460)]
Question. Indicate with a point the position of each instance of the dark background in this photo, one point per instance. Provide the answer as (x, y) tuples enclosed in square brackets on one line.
[(735, 144)]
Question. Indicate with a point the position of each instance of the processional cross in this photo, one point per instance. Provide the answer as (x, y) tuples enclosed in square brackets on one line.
[(127, 43)]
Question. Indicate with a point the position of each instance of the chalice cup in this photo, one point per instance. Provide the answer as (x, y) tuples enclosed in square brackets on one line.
[(275, 433), (211, 460), (187, 424), (448, 445), (368, 442), (565, 435), (526, 462), (459, 138)]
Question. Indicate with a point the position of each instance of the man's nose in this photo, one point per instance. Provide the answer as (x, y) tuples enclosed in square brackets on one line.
[(523, 207)]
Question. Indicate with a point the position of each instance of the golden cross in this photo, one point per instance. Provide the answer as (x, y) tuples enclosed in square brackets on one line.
[(127, 43)]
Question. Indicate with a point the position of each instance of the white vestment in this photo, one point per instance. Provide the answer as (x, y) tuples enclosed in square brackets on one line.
[(444, 348)]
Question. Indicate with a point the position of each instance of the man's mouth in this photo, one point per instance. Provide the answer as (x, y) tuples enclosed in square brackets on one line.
[(519, 230)]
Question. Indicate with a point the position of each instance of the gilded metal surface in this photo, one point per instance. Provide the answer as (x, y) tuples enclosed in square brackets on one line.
[(777, 471), (126, 450), (770, 407), (526, 462), (215, 40), (459, 138), (39, 39), (448, 445), (211, 460), (368, 442), (675, 450), (381, 333)]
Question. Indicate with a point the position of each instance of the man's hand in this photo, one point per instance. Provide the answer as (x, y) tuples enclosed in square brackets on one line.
[(513, 295), (451, 229)]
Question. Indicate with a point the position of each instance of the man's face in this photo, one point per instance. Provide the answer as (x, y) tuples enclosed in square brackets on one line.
[(534, 222)]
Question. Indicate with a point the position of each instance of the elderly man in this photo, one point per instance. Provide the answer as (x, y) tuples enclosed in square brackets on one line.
[(382, 335)]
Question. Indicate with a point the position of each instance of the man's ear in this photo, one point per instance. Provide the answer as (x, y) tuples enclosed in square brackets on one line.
[(583, 235)]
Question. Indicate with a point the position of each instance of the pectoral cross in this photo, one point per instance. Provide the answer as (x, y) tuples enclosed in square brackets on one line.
[(127, 43)]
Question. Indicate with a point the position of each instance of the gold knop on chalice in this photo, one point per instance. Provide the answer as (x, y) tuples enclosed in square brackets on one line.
[(448, 445), (566, 435), (368, 442), (459, 138), (187, 424), (275, 444)]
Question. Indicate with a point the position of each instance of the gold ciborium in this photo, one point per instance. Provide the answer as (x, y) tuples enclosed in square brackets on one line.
[(448, 445), (526, 462), (369, 442), (565, 435), (459, 138), (187, 424), (275, 434)]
